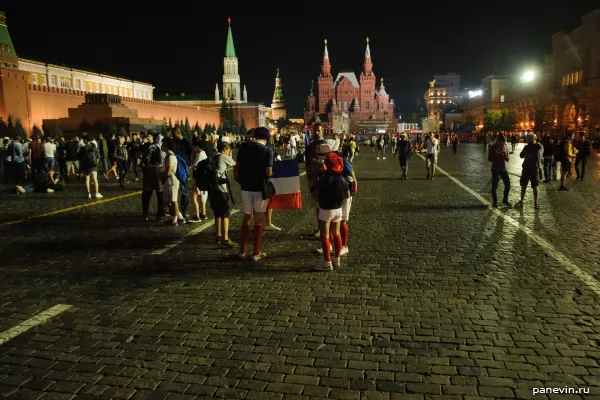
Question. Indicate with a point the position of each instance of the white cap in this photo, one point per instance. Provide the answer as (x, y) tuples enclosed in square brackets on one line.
[(336, 146), (327, 146)]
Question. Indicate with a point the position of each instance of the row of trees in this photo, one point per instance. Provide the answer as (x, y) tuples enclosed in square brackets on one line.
[(497, 120), (228, 121), (11, 128)]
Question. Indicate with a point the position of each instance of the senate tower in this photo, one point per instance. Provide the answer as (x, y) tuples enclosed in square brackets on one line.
[(365, 107)]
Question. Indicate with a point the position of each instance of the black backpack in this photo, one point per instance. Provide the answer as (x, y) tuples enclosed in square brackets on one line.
[(154, 156), (87, 157), (205, 174)]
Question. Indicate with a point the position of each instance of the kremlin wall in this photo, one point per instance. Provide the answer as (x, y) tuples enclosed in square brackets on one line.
[(33, 91), (34, 103)]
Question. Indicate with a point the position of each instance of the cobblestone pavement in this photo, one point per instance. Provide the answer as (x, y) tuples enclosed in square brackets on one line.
[(440, 297)]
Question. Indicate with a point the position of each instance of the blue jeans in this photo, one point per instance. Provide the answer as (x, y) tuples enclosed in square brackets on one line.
[(548, 161), (105, 164)]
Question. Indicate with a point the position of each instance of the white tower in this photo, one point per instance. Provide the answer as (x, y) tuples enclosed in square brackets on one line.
[(217, 99), (231, 77), (245, 94)]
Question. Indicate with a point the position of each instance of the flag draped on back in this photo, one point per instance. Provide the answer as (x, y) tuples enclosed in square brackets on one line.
[(286, 179)]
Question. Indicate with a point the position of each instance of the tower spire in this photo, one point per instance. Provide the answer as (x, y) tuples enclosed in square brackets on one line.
[(326, 67), (368, 64), (278, 94), (312, 85), (8, 57), (230, 49), (382, 91), (231, 77)]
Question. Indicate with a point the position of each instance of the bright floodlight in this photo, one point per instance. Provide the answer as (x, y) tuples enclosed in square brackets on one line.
[(528, 76)]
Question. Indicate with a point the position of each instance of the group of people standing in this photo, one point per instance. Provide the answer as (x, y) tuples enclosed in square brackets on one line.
[(541, 163)]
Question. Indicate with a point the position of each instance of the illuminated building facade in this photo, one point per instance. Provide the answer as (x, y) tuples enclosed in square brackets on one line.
[(563, 92), (366, 107), (443, 93)]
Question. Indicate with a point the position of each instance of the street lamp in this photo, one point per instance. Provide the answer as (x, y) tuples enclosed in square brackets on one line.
[(528, 76)]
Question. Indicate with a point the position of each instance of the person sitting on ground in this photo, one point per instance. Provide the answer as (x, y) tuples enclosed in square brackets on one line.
[(45, 182)]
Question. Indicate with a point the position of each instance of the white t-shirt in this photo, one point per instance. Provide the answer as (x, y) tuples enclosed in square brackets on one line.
[(200, 157), (432, 146), (294, 140), (49, 149)]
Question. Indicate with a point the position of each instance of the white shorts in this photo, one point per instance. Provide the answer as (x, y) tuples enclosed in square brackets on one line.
[(253, 202), (346, 207), (203, 195), (330, 215), (171, 190)]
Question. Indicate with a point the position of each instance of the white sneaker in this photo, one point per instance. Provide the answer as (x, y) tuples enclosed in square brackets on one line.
[(49, 190), (327, 266), (320, 250), (378, 158), (336, 263), (99, 196), (344, 251), (89, 195), (271, 228)]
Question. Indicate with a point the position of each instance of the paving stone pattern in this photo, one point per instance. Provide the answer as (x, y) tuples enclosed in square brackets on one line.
[(439, 298)]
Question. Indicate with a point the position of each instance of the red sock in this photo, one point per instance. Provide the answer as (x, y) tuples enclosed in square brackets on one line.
[(245, 237), (344, 232), (257, 238), (337, 245), (326, 247), (331, 237)]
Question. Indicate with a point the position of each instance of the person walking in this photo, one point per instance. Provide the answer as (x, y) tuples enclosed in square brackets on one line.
[(549, 150), (88, 157), (333, 190), (584, 149), (567, 155), (404, 151), (532, 155), (498, 156), (433, 148)]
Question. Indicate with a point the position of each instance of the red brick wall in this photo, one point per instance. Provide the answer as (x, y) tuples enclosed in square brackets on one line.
[(248, 114), (50, 103), (161, 110), (13, 95), (34, 103)]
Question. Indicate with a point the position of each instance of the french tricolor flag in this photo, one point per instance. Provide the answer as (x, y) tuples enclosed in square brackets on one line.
[(286, 179)]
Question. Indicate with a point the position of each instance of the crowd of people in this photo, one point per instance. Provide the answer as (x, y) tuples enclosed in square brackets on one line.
[(166, 165)]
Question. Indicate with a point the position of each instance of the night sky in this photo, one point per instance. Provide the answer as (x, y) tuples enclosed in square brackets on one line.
[(182, 49)]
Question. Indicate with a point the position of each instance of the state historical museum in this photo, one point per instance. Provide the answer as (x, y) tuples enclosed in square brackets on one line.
[(367, 108)]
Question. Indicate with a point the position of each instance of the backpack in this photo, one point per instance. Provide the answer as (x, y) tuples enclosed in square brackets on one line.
[(87, 158), (154, 156), (182, 171), (205, 174), (559, 155)]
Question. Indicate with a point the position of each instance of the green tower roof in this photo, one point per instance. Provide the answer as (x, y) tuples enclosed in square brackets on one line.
[(278, 94), (6, 45), (230, 50)]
